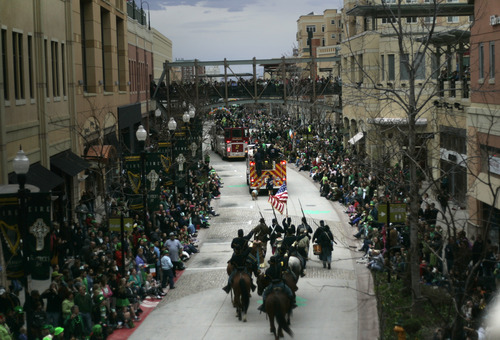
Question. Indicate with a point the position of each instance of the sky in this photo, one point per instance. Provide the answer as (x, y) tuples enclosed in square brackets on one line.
[(234, 29)]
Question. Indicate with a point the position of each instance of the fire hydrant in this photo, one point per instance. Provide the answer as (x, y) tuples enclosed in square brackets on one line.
[(400, 331)]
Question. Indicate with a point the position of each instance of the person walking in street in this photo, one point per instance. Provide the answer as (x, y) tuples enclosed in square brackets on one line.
[(174, 247), (167, 269), (324, 237)]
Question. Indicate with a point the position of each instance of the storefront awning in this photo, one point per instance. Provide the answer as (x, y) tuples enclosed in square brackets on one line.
[(101, 152), (69, 163), (357, 137), (40, 177)]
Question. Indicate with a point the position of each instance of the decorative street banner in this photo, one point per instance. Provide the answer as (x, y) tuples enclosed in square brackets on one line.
[(38, 235), (156, 166)]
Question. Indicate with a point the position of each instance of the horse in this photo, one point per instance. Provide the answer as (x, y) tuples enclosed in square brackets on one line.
[(263, 282), (295, 266), (278, 306), (241, 290)]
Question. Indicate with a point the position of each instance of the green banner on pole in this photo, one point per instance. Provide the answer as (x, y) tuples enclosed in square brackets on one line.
[(38, 235), (397, 211), (39, 225)]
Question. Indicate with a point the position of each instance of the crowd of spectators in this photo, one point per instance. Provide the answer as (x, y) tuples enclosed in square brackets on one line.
[(99, 278), (448, 257)]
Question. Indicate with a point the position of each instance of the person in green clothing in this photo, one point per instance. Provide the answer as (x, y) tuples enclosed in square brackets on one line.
[(67, 303), (4, 329), (84, 303), (73, 325)]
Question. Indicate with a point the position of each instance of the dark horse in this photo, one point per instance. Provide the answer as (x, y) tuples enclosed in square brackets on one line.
[(278, 306), (241, 290)]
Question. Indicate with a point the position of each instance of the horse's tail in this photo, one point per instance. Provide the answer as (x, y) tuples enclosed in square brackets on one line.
[(245, 293), (280, 315)]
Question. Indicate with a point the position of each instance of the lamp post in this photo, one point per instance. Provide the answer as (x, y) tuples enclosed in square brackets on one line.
[(141, 134), (172, 125), (149, 14), (21, 165)]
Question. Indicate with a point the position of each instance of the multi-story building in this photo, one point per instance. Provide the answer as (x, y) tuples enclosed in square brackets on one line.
[(483, 122), (379, 78), (319, 35), (75, 82), (39, 99)]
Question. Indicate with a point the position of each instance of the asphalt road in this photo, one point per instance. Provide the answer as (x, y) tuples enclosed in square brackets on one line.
[(333, 304)]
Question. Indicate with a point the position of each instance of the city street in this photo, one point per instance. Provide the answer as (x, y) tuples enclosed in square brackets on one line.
[(331, 303)]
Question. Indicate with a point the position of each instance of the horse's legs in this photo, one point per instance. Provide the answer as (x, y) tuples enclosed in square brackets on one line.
[(271, 322)]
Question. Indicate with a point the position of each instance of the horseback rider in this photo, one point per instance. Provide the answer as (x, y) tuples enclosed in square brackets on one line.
[(289, 247), (275, 232), (239, 260), (274, 273), (260, 233), (303, 248)]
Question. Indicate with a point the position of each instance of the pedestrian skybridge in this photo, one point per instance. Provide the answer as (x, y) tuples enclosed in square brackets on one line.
[(279, 81)]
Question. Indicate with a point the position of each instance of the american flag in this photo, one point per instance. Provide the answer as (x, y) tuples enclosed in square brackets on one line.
[(278, 201), (282, 194)]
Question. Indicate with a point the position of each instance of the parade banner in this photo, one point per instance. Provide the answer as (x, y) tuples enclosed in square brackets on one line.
[(39, 226), (38, 235), (156, 166)]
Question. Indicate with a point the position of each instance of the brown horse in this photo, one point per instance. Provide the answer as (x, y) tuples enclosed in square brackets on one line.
[(241, 290), (288, 278), (278, 306)]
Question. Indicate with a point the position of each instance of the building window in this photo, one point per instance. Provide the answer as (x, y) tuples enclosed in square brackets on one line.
[(84, 45), (389, 20), (452, 20), (323, 42), (411, 20), (30, 66), (311, 28), (46, 55), (492, 60), (333, 36), (382, 67), (332, 22), (420, 63), (322, 28), (391, 65), (4, 66), (403, 67), (490, 159), (429, 20), (63, 67), (120, 55), (55, 68), (434, 66), (481, 61), (388, 1), (17, 58)]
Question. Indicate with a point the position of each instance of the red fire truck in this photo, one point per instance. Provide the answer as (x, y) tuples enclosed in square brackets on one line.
[(274, 167), (230, 142)]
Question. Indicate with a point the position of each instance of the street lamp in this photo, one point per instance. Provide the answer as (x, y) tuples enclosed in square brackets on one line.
[(172, 124), (21, 165), (141, 134), (186, 117), (149, 14), (192, 113)]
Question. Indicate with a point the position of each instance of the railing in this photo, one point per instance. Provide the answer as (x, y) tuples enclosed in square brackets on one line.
[(454, 88), (136, 13), (217, 92)]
